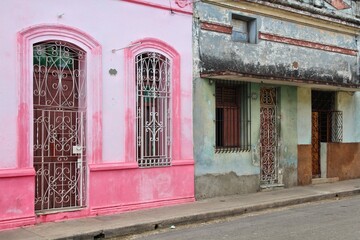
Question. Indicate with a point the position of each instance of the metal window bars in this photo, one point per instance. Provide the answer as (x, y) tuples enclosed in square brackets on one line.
[(232, 116), (153, 109)]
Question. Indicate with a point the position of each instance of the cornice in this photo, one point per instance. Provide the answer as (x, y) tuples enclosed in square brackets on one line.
[(294, 12)]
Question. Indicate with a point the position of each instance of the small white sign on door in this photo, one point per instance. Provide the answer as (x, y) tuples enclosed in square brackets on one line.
[(77, 149)]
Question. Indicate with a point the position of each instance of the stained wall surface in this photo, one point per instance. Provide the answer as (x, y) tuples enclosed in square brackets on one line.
[(289, 52)]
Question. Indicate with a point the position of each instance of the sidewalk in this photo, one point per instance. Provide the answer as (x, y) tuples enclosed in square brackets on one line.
[(200, 211)]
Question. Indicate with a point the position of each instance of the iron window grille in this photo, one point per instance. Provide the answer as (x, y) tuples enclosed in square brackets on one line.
[(153, 106), (331, 126), (232, 117), (336, 126), (330, 121)]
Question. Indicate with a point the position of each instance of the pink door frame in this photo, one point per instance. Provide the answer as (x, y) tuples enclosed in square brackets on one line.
[(18, 204), (26, 38)]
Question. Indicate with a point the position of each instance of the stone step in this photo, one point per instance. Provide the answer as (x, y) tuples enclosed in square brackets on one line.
[(271, 187), (324, 180)]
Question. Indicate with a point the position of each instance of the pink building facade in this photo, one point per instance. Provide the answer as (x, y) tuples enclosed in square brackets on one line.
[(96, 108)]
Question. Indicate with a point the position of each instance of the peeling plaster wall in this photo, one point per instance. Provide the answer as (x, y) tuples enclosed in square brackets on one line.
[(269, 60), (346, 102), (356, 130), (304, 110), (288, 135), (215, 171), (274, 59)]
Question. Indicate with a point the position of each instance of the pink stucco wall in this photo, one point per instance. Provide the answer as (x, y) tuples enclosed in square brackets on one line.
[(98, 27)]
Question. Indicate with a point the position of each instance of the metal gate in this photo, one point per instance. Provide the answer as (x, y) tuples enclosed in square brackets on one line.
[(326, 127), (59, 98), (269, 163)]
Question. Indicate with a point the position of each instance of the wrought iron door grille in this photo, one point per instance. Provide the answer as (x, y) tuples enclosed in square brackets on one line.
[(59, 146), (232, 117), (153, 104), (315, 143), (269, 135)]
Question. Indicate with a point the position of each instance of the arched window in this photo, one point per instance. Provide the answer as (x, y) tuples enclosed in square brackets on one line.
[(153, 109)]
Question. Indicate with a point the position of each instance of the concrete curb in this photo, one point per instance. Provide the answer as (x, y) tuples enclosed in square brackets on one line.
[(204, 217)]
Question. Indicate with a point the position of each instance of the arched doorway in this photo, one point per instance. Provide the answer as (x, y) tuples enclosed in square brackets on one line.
[(59, 123)]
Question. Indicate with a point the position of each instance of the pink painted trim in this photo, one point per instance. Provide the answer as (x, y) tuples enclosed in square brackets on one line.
[(25, 39), (17, 222), (164, 7), (307, 44), (130, 132), (22, 172), (129, 165), (62, 216), (140, 205), (112, 166), (183, 162)]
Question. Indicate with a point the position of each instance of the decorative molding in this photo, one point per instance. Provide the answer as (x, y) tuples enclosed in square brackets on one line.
[(151, 44), (216, 27), (17, 222), (182, 3), (183, 162), (131, 165), (38, 33), (307, 44), (283, 10), (15, 173), (257, 78), (113, 166), (164, 7)]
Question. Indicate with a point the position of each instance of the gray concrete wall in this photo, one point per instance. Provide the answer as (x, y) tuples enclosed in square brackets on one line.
[(222, 184)]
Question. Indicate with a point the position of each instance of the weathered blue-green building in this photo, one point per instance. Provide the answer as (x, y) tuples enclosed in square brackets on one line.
[(275, 94)]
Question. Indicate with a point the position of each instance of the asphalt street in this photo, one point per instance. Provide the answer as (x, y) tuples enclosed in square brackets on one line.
[(325, 220)]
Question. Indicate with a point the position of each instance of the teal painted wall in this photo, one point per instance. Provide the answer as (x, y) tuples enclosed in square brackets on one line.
[(304, 113), (207, 161), (242, 163)]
